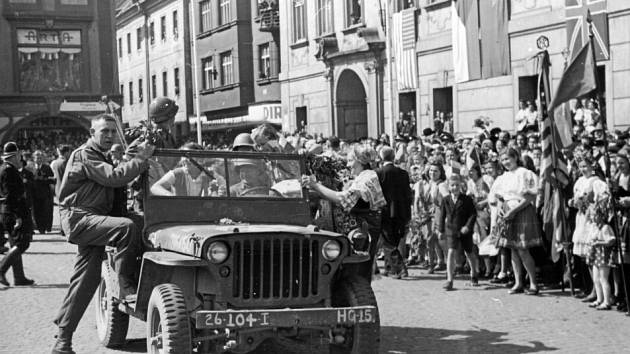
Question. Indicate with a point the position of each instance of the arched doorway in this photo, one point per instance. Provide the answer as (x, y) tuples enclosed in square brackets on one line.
[(44, 131), (351, 105)]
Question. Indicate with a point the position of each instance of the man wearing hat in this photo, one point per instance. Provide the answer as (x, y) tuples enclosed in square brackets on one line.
[(162, 111), (15, 215), (86, 202), (254, 180)]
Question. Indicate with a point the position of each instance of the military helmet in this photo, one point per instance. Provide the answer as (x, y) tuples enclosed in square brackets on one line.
[(243, 140), (238, 163), (162, 109)]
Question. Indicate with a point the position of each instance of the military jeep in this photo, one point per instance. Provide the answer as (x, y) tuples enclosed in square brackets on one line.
[(234, 263)]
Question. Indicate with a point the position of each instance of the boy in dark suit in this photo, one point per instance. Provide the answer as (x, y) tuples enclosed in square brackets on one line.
[(455, 225)]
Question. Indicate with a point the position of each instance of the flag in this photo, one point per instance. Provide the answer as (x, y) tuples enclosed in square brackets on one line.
[(564, 124), (554, 172), (465, 40), (576, 13), (404, 43), (578, 79), (472, 158), (480, 39)]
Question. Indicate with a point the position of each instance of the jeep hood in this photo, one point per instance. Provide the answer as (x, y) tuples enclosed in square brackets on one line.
[(189, 239)]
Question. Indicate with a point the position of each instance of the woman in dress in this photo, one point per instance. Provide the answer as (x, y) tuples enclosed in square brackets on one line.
[(583, 196), (432, 195), (622, 192), (516, 190), (478, 190), (362, 199)]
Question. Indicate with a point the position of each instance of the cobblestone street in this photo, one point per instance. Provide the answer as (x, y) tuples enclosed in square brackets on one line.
[(417, 315)]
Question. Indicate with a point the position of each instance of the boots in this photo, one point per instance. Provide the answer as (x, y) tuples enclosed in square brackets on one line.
[(18, 273), (14, 259), (63, 345), (7, 262)]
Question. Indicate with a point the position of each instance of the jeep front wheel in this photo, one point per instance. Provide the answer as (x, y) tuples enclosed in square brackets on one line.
[(111, 323), (168, 325), (359, 338)]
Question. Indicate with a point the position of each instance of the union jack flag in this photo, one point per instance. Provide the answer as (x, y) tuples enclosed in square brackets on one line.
[(576, 12)]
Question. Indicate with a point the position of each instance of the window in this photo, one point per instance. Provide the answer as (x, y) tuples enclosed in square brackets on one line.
[(128, 43), (206, 22), (224, 12), (227, 75), (299, 20), (264, 62), (152, 33), (153, 86), (139, 38), (207, 74), (122, 91), (50, 60), (176, 80), (163, 28), (175, 25), (354, 12), (140, 88), (130, 92), (324, 17), (165, 84), (120, 49)]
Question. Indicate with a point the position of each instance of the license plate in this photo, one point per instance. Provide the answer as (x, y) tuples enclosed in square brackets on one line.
[(286, 317)]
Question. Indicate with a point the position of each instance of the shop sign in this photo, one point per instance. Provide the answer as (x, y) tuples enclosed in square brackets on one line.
[(82, 107), (271, 113)]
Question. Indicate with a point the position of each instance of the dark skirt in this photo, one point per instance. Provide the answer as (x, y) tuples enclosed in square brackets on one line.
[(523, 231), (602, 256)]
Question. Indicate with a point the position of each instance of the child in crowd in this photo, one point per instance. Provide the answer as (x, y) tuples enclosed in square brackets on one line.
[(455, 225), (601, 256)]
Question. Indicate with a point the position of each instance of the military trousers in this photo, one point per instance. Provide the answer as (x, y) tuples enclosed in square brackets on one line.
[(97, 232)]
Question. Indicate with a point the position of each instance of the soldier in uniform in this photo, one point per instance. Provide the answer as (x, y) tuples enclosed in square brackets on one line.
[(162, 111), (86, 201), (15, 216)]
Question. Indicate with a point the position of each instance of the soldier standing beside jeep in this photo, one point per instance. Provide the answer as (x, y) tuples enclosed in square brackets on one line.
[(86, 199)]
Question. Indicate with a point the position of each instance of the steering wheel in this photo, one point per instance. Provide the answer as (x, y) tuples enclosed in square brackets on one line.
[(261, 190)]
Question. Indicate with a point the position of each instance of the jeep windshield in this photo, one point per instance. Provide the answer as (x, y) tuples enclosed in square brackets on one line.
[(224, 174)]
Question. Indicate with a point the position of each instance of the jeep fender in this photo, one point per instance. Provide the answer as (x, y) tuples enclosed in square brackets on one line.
[(166, 267)]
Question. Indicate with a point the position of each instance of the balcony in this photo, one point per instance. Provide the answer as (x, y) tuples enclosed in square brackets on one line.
[(269, 16)]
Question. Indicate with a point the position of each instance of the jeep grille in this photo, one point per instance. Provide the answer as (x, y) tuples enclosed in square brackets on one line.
[(272, 269)]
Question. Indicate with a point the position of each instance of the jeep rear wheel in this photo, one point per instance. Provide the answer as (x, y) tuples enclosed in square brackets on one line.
[(168, 325), (359, 338), (111, 323)]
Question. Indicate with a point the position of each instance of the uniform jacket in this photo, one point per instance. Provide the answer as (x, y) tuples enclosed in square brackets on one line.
[(89, 182), (455, 215), (397, 191), (44, 178), (13, 192)]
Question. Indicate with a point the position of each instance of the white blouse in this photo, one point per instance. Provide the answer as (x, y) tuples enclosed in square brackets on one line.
[(513, 186)]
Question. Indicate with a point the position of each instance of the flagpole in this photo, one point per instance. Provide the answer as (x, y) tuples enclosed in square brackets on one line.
[(390, 69), (607, 165)]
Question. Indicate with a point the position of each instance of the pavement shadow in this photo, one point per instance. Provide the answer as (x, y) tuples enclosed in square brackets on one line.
[(49, 253), (435, 340), (133, 345)]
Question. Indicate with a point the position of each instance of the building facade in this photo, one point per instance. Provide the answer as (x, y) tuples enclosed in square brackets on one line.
[(498, 98), (237, 45), (334, 76), (167, 37), (58, 62)]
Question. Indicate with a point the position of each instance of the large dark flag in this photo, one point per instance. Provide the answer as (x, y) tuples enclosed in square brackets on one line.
[(553, 167), (578, 79)]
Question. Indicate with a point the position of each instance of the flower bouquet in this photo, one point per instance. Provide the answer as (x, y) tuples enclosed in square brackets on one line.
[(327, 170), (582, 202), (145, 131)]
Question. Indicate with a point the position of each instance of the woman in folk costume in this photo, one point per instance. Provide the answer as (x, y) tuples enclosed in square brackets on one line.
[(478, 190), (587, 186), (361, 201), (516, 190)]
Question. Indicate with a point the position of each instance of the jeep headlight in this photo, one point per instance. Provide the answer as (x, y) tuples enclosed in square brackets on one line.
[(217, 252), (331, 250)]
